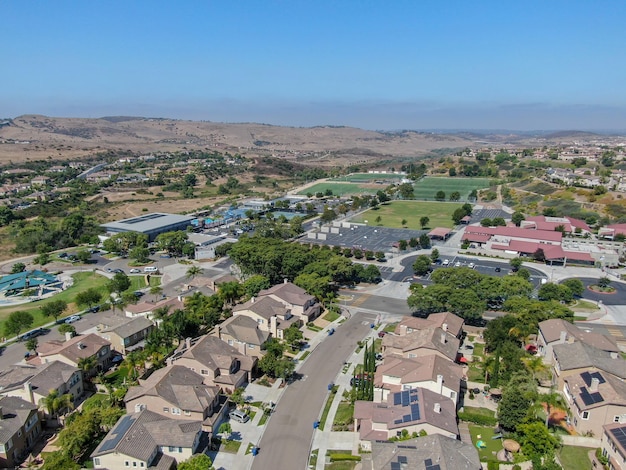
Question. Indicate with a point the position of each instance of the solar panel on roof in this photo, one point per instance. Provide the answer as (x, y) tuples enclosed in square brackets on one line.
[(428, 462), (396, 466), (415, 412), (590, 398), (587, 376), (118, 433), (406, 419), (403, 459), (397, 398), (619, 434), (397, 421), (405, 398)]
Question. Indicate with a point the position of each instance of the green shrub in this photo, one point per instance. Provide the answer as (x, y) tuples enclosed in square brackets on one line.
[(477, 418), (517, 467), (491, 465), (344, 457)]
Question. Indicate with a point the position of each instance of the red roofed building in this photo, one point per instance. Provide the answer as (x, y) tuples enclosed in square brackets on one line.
[(569, 224), (610, 231)]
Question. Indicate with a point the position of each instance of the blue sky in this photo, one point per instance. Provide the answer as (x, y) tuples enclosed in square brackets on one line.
[(420, 64)]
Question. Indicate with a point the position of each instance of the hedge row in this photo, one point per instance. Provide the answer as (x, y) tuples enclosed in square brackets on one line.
[(477, 418), (343, 457)]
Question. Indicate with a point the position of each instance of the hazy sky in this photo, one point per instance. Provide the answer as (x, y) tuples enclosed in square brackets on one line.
[(418, 64)]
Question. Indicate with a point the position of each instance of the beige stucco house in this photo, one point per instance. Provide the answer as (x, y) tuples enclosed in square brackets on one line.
[(19, 430), (423, 342)]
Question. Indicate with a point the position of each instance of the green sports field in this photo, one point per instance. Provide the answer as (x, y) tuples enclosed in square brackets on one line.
[(369, 177), (427, 187), (391, 214), (340, 189)]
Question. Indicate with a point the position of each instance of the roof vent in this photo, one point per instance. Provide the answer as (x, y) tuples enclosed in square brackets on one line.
[(81, 346)]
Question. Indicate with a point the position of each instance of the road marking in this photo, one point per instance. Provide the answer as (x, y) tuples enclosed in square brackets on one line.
[(615, 332)]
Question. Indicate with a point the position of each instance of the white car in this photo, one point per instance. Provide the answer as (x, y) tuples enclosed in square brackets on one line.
[(72, 319), (134, 271), (445, 262), (471, 266), (457, 264)]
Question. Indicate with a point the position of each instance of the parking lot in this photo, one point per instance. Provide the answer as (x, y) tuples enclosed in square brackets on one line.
[(367, 238)]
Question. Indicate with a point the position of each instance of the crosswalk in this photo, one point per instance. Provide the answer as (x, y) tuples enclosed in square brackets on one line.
[(617, 333)]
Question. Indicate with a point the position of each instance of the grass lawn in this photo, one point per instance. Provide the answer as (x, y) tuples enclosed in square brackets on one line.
[(331, 316), (390, 328), (344, 414), (479, 411), (574, 458), (392, 214), (427, 187), (82, 281), (304, 355), (329, 401), (232, 447), (263, 419), (340, 189), (584, 306), (486, 433)]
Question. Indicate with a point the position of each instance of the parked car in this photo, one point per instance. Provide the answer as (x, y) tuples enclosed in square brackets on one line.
[(34, 333), (239, 416), (471, 266), (134, 271), (72, 319), (138, 293), (498, 269), (446, 262), (457, 264), (94, 309), (117, 270), (331, 332), (381, 334)]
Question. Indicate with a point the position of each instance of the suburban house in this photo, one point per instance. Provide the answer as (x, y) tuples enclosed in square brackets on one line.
[(125, 334), (33, 383), (448, 322), (426, 452), (219, 363), (559, 331), (179, 393), (301, 304), (270, 315), (19, 430), (413, 410), (422, 343), (243, 333), (576, 358), (147, 440), (614, 445), (146, 308), (77, 349), (595, 399), (431, 372)]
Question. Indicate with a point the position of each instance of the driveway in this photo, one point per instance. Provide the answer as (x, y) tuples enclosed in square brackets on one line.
[(286, 443)]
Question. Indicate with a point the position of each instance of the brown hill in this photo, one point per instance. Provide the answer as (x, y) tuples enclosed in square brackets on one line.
[(37, 137)]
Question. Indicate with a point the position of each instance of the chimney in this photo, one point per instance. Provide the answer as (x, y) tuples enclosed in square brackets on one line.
[(437, 408), (444, 327), (180, 298), (218, 330), (285, 281), (188, 343), (594, 384), (68, 335), (563, 336), (252, 299), (443, 337), (28, 388), (440, 383)]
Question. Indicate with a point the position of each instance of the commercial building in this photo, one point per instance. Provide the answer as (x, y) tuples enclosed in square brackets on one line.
[(152, 224)]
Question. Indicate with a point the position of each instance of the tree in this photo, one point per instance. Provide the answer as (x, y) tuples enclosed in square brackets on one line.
[(378, 220), (238, 397), (424, 241), (119, 283), (230, 292), (225, 428), (458, 215), (17, 322), (172, 242), (516, 263), (535, 439), (422, 265), (293, 336), (604, 282), (156, 291), (486, 222), (88, 297), (18, 268), (424, 222), (31, 344), (60, 460), (403, 222), (83, 256), (140, 254), (67, 328), (513, 408), (88, 365), (440, 196), (539, 255), (575, 285), (517, 218), (56, 403), (194, 271), (558, 292), (455, 196), (54, 308), (434, 255)]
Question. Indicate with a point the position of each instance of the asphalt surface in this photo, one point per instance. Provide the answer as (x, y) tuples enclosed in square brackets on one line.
[(286, 442), (616, 298)]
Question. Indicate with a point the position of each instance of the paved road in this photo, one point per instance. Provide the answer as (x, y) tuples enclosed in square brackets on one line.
[(617, 298), (286, 443)]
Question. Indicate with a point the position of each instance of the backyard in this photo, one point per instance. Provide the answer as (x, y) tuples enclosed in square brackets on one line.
[(486, 436), (574, 458), (392, 214)]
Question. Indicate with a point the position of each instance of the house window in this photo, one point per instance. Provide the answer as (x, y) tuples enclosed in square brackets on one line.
[(172, 448), (187, 413), (230, 342), (260, 321), (175, 411), (411, 355), (180, 450), (453, 395), (126, 463), (166, 409), (96, 460), (585, 415), (204, 372), (616, 419), (134, 464), (141, 465), (250, 346)]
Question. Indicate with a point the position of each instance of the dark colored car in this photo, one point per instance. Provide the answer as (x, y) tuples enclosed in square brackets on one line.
[(94, 309), (381, 334), (34, 333), (498, 270), (138, 294)]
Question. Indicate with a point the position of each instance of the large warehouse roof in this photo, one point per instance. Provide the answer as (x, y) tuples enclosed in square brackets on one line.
[(148, 222)]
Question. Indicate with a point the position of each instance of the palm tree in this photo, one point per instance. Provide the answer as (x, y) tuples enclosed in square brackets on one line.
[(535, 365), (87, 365), (160, 313), (230, 292), (193, 271), (55, 403), (552, 400), (156, 291)]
